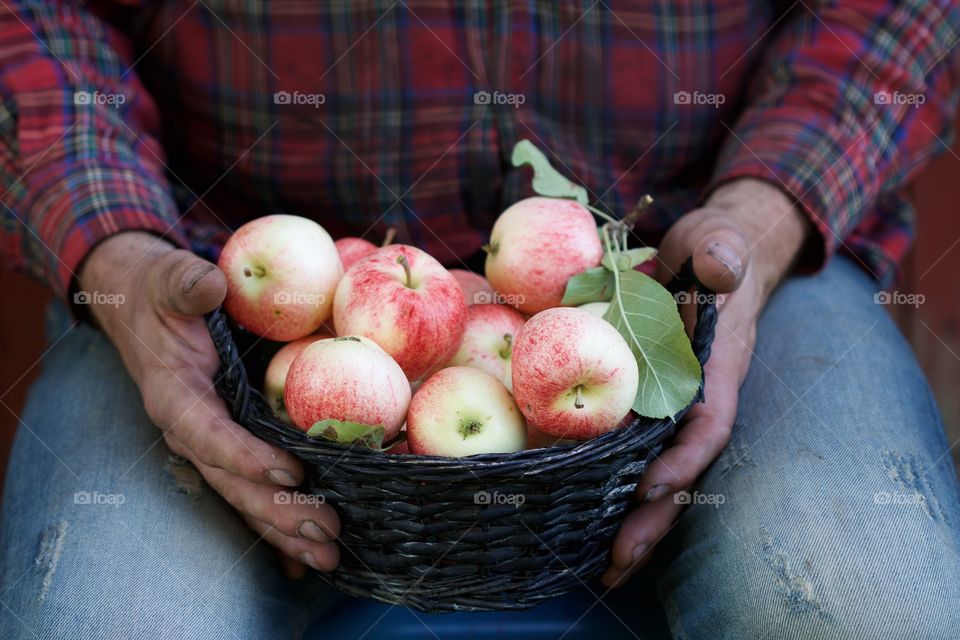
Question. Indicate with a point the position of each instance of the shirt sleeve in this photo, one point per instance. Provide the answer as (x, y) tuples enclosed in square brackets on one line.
[(851, 98), (78, 140)]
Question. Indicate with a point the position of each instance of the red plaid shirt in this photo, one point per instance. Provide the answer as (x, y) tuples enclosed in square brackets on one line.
[(188, 118)]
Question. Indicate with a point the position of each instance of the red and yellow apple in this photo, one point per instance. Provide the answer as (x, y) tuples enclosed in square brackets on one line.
[(281, 273), (352, 250), (574, 375), (476, 289), (488, 340), (462, 411), (596, 308), (406, 302), (350, 379), (276, 374), (536, 245)]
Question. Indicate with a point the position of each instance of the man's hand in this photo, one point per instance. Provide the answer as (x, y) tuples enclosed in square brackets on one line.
[(161, 336), (743, 241)]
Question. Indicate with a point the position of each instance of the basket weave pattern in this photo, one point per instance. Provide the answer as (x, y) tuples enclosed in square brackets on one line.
[(436, 534)]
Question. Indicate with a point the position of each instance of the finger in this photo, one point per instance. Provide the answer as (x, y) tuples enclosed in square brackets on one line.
[(322, 557), (202, 424), (187, 285), (296, 515), (291, 568), (640, 532), (699, 441), (705, 430), (718, 245)]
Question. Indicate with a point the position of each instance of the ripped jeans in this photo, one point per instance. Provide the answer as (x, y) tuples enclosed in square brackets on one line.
[(832, 513)]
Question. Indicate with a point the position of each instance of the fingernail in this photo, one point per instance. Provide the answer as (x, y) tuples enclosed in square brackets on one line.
[(639, 551), (726, 256), (307, 558), (656, 491), (281, 476), (195, 275), (311, 531)]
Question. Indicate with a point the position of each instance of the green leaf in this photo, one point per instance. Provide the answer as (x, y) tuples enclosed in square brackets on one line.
[(348, 432), (628, 259), (646, 316), (547, 181), (592, 285)]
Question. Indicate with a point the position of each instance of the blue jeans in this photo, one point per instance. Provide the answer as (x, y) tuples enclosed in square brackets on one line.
[(833, 512)]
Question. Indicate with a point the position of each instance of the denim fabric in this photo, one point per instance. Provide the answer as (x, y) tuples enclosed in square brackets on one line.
[(833, 512)]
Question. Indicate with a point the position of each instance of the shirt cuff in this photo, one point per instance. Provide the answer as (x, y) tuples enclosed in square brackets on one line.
[(823, 168), (86, 204)]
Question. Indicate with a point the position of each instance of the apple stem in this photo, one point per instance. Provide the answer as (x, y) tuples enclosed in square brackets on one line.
[(402, 260), (255, 271), (631, 218), (505, 352), (388, 238), (578, 402), (491, 248)]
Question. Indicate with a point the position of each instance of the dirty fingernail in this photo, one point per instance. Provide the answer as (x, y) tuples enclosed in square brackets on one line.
[(195, 275), (656, 491), (307, 558), (311, 531), (726, 256), (282, 476)]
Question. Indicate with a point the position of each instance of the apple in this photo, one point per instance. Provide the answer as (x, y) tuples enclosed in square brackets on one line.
[(462, 411), (488, 340), (406, 302), (573, 374), (596, 308), (281, 272), (350, 379), (537, 439), (476, 289), (536, 245), (276, 374), (352, 250)]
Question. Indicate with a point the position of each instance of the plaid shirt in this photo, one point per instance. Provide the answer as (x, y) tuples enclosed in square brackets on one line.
[(186, 118)]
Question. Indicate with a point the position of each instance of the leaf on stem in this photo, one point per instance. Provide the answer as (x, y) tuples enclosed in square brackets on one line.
[(646, 315), (547, 181), (348, 432), (593, 285), (628, 259)]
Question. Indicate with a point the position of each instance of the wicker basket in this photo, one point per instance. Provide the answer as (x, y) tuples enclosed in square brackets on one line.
[(432, 534)]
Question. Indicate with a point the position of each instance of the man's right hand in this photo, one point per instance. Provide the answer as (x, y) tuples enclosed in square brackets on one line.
[(161, 336)]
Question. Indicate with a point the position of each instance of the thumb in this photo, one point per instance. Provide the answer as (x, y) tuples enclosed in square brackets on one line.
[(187, 285), (717, 243)]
